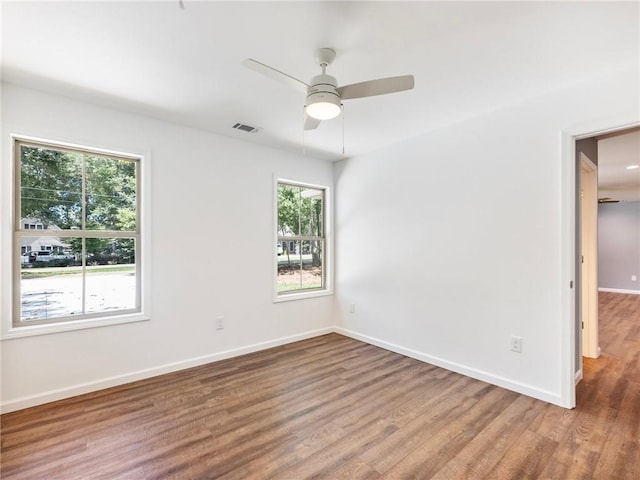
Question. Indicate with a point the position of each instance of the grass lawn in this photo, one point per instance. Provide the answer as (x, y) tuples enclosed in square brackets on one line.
[(55, 271), (290, 279)]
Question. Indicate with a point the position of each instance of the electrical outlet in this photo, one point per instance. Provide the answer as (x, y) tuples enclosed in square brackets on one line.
[(634, 278), (516, 344), (219, 323), (352, 308)]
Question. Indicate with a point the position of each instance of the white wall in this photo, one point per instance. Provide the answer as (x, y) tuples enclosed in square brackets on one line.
[(211, 253), (619, 246), (451, 242)]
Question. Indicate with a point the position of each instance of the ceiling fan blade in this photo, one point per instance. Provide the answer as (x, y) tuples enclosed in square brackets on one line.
[(380, 86), (271, 72), (310, 123)]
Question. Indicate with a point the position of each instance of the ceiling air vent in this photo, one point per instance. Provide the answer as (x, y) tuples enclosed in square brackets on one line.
[(246, 128)]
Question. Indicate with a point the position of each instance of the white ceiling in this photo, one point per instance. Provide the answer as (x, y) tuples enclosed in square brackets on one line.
[(615, 154), (185, 66)]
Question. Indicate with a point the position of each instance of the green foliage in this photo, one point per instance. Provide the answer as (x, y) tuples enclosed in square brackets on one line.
[(288, 222), (299, 211), (51, 189), (300, 214), (51, 184), (111, 194)]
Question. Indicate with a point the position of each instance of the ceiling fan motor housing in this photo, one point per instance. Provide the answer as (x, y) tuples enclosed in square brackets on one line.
[(323, 101)]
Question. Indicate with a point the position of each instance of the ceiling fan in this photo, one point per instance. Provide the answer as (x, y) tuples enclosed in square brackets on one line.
[(324, 97), (607, 200)]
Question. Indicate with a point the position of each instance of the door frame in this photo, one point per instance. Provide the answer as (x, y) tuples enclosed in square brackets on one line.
[(568, 327)]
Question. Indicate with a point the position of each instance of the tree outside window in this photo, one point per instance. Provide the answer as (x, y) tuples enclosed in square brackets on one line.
[(301, 238)]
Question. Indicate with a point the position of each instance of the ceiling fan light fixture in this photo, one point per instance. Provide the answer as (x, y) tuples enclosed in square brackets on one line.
[(324, 97), (323, 105)]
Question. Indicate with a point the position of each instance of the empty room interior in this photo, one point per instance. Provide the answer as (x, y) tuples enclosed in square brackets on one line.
[(288, 240)]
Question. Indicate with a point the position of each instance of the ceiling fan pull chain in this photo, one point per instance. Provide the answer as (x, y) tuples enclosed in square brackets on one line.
[(342, 129), (304, 145)]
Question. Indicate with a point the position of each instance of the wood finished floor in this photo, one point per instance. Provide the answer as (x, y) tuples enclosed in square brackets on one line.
[(335, 408)]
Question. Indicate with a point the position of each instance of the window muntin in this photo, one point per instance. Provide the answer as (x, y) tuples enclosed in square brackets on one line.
[(85, 260), (300, 238)]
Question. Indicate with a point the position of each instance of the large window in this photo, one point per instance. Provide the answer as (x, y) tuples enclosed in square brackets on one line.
[(76, 235), (301, 243)]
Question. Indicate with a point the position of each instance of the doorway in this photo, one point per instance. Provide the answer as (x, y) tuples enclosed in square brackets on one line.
[(587, 167)]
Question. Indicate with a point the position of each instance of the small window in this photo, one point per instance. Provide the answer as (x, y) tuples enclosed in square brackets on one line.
[(301, 241), (86, 262)]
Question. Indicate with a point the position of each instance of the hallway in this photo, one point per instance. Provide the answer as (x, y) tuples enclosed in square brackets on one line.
[(608, 397)]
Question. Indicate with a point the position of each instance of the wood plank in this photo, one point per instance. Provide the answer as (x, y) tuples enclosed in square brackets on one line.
[(526, 459), (323, 463), (355, 469), (436, 413), (475, 460), (620, 457), (449, 435)]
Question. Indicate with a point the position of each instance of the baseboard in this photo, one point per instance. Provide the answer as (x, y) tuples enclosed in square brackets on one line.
[(619, 290), (578, 376), (458, 368), (80, 389)]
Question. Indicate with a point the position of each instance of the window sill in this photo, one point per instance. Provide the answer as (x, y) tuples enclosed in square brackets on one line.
[(33, 330), (289, 297)]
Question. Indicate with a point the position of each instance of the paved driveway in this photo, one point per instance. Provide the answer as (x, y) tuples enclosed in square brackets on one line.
[(61, 295)]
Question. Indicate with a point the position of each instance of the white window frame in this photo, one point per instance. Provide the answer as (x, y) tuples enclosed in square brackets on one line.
[(12, 326), (327, 266)]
